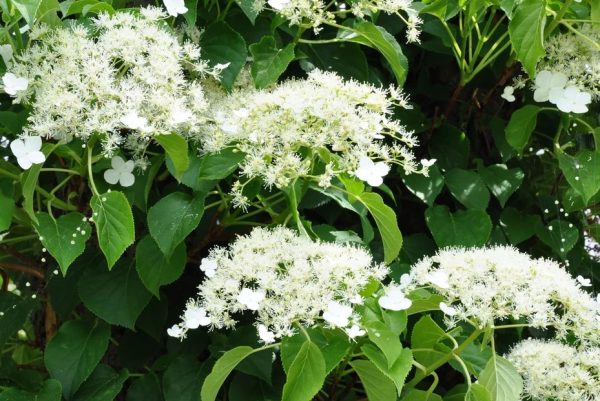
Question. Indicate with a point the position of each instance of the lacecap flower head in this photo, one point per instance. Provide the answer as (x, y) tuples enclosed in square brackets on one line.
[(488, 286), (313, 128), (282, 279), (125, 77)]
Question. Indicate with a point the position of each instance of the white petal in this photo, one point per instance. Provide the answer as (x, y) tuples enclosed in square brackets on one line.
[(18, 148), (24, 162), (126, 179), (36, 157), (117, 163), (381, 169), (128, 166), (111, 176), (33, 143), (375, 181)]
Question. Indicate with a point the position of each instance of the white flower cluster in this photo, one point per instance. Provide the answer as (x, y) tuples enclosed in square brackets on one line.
[(486, 286), (125, 77), (575, 57), (284, 279), (555, 371), (316, 128), (317, 12)]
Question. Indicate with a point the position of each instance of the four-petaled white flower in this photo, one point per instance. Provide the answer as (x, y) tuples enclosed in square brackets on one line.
[(278, 4), (370, 172), (439, 278), (120, 172), (394, 299), (428, 162), (545, 81), (14, 84), (508, 94), (265, 335), (447, 309), (251, 299), (133, 121), (570, 99), (355, 331), (175, 7), (584, 282), (28, 151), (175, 331), (337, 314), (195, 317), (209, 267), (6, 52)]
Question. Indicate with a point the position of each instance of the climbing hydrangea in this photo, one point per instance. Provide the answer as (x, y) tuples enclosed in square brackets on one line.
[(555, 371), (125, 77), (486, 286), (314, 128), (283, 279)]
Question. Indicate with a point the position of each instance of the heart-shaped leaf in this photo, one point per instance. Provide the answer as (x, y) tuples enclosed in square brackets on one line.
[(582, 171), (463, 228)]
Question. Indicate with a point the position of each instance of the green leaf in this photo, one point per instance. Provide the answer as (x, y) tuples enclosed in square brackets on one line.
[(28, 9), (192, 14), (7, 203), (248, 8), (501, 379), (333, 345), (226, 363), (581, 171), (173, 218), (154, 269), (526, 30), (399, 369), (221, 45), (15, 312), (502, 181), (468, 187), (216, 166), (558, 236), (64, 238), (518, 226), (306, 374), (148, 388), (425, 188), (114, 224), (103, 385), (425, 337), (369, 34), (421, 395), (177, 150), (386, 340), (443, 9), (29, 180), (378, 386), (334, 57), (463, 228), (50, 391), (269, 61), (74, 352), (521, 125), (117, 296), (387, 224), (477, 392), (450, 147), (183, 379)]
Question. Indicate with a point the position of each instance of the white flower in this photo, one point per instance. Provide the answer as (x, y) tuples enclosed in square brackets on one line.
[(570, 99), (14, 84), (251, 298), (6, 52), (278, 4), (507, 94), (355, 331), (180, 116), (195, 317), (265, 335), (175, 331), (428, 162), (120, 172), (394, 299), (133, 121), (372, 172), (584, 282), (447, 309), (545, 81), (439, 278), (28, 151), (337, 314), (175, 7), (208, 266)]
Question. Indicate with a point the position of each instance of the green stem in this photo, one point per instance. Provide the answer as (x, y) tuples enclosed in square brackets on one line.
[(60, 170), (561, 13), (294, 210), (90, 148)]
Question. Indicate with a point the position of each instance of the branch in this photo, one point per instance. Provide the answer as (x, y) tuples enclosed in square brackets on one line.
[(32, 271)]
